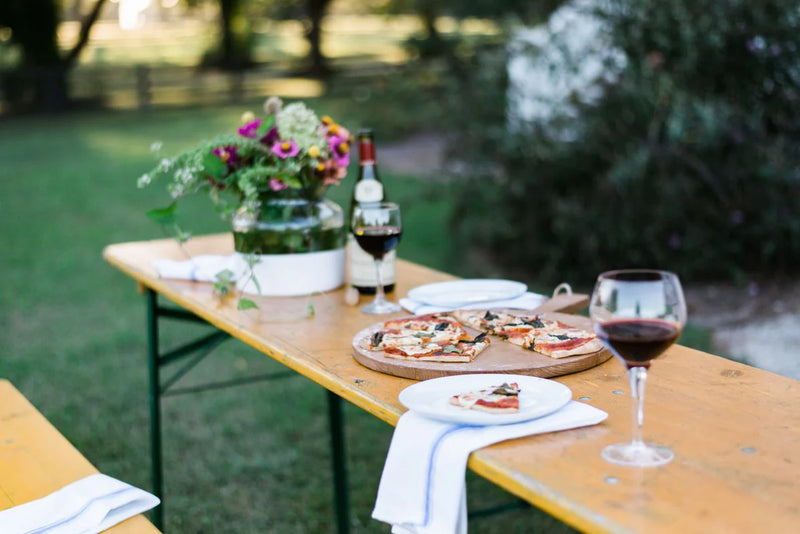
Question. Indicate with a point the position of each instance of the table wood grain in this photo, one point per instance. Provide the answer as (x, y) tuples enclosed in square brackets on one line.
[(735, 429), (36, 460)]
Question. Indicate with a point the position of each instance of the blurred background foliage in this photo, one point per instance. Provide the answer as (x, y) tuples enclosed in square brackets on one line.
[(686, 158)]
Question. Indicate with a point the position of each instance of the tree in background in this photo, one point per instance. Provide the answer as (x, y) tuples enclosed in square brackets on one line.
[(40, 78), (311, 13), (685, 159), (433, 44)]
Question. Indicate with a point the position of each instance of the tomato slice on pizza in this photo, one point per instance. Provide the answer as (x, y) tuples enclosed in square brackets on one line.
[(564, 342), (533, 332), (464, 350), (494, 399)]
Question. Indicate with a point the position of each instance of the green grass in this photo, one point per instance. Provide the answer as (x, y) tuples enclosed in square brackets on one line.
[(73, 327)]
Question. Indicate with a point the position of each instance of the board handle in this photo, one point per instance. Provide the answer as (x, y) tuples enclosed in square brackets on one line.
[(564, 300)]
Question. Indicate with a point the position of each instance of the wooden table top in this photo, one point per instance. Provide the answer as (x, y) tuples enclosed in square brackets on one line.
[(36, 460), (735, 429)]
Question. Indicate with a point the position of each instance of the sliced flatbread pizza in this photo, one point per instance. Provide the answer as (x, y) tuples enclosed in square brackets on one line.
[(495, 399)]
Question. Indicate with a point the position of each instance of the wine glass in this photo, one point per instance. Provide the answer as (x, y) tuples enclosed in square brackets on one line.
[(638, 314), (377, 228)]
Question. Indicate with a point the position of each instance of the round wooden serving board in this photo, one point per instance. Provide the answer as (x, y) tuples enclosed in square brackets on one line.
[(499, 357)]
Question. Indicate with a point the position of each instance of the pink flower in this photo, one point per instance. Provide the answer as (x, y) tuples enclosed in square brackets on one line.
[(285, 149), (250, 129), (340, 149), (228, 154), (277, 185), (270, 137), (331, 172)]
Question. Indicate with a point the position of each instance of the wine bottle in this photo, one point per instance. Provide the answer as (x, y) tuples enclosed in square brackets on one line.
[(368, 190)]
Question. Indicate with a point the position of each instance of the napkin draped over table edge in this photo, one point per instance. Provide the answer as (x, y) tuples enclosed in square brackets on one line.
[(423, 485), (88, 506)]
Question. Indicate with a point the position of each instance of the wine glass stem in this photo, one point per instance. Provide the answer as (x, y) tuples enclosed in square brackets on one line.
[(379, 295), (638, 378)]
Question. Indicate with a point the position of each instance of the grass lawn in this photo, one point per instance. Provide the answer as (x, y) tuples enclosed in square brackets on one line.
[(73, 336)]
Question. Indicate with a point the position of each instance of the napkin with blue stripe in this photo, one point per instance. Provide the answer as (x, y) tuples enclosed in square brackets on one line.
[(423, 485)]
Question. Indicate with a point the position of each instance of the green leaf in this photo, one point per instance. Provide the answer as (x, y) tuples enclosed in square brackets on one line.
[(182, 236), (221, 289), (246, 304), (292, 181), (214, 166), (265, 126), (163, 215), (225, 276)]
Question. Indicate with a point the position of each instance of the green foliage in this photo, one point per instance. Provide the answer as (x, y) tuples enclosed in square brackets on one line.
[(688, 161)]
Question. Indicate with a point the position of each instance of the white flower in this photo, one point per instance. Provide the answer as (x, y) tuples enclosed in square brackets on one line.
[(301, 125), (155, 147), (272, 106), (143, 180)]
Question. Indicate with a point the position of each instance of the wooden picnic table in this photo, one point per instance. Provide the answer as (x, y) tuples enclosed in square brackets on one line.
[(36, 460), (735, 429)]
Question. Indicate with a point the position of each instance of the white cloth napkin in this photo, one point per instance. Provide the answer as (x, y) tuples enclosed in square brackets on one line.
[(423, 486), (201, 268), (526, 301), (87, 506)]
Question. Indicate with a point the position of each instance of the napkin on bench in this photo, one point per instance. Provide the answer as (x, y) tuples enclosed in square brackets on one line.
[(423, 486), (526, 301), (87, 506)]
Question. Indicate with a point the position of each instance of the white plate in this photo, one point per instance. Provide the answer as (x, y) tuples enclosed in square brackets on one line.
[(537, 397), (460, 292)]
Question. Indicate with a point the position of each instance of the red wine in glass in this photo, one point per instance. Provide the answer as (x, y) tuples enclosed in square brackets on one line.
[(377, 228), (637, 341), (378, 240), (637, 314)]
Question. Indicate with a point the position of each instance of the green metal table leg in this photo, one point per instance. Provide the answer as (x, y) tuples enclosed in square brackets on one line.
[(340, 487), (155, 406)]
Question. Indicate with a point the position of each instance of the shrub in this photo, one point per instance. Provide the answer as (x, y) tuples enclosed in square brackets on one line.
[(685, 155)]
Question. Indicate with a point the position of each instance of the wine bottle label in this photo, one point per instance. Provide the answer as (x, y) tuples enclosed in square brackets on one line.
[(369, 191), (362, 266)]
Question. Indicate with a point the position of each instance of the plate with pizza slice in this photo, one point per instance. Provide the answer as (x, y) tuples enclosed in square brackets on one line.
[(485, 399)]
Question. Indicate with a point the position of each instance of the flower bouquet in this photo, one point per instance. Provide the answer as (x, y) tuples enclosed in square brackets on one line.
[(269, 180)]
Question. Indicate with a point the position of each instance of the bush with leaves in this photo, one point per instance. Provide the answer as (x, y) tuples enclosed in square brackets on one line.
[(687, 158)]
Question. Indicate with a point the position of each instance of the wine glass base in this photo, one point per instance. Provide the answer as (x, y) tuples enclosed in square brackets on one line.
[(380, 308), (637, 454)]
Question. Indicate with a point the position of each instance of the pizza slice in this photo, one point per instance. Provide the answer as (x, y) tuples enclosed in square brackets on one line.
[(564, 342), (494, 399), (515, 328), (491, 321), (460, 351), (416, 332)]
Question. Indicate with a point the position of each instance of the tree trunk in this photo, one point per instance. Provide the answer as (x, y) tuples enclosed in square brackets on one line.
[(41, 81), (318, 63), (233, 52), (83, 35), (227, 11)]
